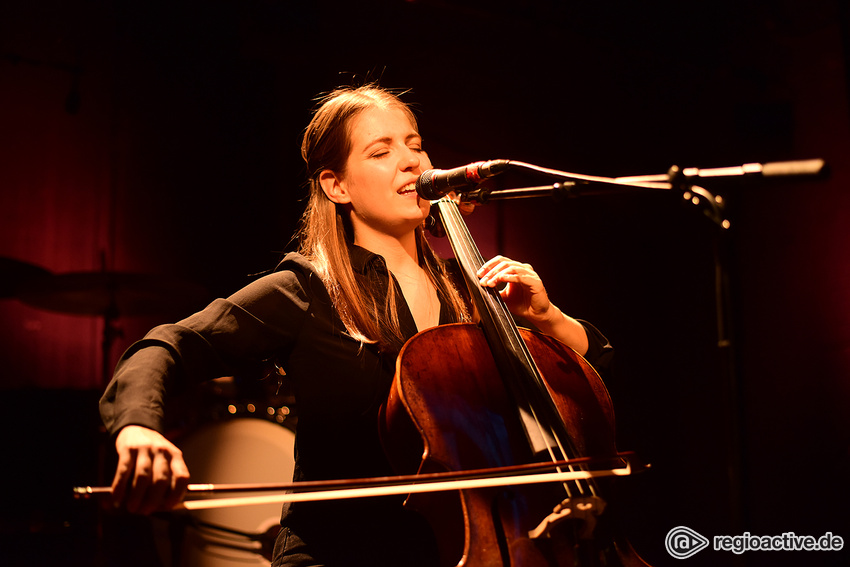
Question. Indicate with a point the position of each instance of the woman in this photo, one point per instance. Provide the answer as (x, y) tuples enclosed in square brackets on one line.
[(334, 316)]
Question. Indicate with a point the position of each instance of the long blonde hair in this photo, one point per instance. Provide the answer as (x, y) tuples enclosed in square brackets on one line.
[(325, 234)]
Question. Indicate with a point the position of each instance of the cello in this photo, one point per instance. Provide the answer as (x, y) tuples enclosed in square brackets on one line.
[(496, 397)]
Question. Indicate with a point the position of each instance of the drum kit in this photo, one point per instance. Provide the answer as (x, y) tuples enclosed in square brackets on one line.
[(239, 434)]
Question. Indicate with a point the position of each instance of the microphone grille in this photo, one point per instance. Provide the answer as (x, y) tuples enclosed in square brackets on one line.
[(425, 186)]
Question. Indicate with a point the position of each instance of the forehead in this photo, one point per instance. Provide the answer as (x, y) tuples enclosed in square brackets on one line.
[(379, 122)]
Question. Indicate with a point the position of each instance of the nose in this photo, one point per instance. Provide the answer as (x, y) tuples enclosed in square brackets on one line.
[(410, 161)]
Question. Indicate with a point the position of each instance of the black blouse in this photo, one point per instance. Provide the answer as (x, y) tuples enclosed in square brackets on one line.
[(340, 384)]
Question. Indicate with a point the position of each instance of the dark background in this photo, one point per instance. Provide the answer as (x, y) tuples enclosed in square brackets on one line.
[(163, 138)]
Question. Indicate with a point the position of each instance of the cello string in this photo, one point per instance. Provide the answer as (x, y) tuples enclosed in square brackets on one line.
[(471, 260)]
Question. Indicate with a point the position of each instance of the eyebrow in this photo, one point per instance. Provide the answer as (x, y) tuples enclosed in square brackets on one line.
[(388, 140)]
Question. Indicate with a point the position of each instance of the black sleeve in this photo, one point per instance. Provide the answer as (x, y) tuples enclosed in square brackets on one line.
[(229, 336), (600, 353)]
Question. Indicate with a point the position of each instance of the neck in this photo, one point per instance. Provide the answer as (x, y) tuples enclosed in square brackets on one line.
[(402, 260), (399, 252)]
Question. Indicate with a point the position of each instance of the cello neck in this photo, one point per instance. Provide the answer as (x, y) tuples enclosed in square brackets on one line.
[(538, 412), (496, 320)]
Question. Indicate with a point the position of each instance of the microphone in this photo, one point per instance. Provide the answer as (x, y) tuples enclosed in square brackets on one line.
[(435, 183)]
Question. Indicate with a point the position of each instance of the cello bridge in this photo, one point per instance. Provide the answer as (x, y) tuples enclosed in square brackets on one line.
[(584, 509)]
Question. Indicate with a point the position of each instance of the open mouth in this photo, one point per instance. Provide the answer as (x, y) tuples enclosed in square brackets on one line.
[(407, 189)]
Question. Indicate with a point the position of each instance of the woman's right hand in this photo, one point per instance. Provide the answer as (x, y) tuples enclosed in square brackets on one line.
[(151, 474)]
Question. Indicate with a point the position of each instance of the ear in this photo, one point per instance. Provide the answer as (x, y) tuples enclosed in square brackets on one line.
[(334, 187)]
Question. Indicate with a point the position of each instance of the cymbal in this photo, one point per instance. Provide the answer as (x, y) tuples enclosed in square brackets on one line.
[(15, 274), (111, 293)]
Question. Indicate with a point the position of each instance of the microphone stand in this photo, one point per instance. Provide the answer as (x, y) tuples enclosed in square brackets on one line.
[(684, 182)]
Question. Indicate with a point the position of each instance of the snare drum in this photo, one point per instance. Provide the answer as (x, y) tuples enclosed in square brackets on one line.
[(241, 450)]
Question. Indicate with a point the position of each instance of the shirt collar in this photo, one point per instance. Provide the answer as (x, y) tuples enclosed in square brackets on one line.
[(369, 264), (363, 261)]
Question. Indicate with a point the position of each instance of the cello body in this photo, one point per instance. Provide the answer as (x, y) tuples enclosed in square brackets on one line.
[(449, 410), (492, 396)]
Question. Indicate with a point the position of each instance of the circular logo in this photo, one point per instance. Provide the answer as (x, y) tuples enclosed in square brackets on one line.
[(683, 542)]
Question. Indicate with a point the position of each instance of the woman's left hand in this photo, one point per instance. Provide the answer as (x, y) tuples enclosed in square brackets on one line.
[(526, 297), (524, 294)]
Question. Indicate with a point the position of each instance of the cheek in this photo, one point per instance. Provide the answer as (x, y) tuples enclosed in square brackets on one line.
[(360, 186), (373, 177)]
